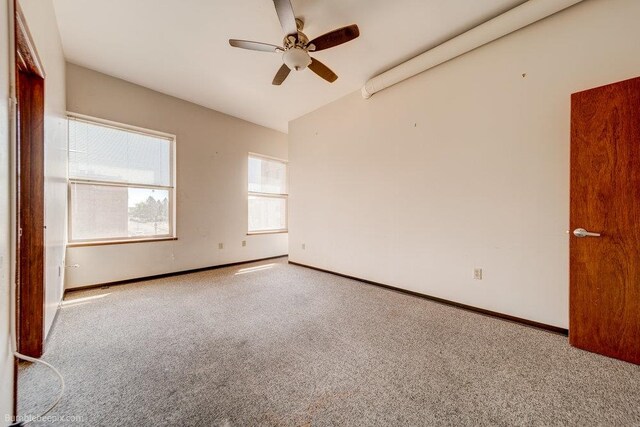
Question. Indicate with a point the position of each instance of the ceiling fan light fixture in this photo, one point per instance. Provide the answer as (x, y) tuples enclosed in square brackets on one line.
[(296, 58)]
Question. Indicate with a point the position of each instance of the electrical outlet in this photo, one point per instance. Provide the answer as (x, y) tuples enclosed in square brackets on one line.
[(220, 245), (304, 246), (244, 243), (477, 273)]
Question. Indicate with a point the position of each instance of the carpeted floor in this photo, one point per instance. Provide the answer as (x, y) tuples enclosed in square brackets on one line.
[(275, 344)]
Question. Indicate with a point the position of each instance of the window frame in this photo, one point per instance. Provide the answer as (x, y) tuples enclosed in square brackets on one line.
[(284, 196), (172, 235)]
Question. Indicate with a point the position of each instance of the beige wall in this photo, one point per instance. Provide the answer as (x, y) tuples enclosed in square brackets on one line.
[(6, 359), (211, 156), (463, 166), (42, 24)]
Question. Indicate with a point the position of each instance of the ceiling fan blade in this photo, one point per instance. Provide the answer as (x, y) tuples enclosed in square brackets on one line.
[(262, 47), (282, 74), (322, 70), (286, 16), (335, 37)]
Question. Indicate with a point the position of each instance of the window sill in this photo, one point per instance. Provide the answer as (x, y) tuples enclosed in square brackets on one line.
[(119, 242), (257, 233)]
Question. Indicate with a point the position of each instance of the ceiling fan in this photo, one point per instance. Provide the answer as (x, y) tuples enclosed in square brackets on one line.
[(295, 53)]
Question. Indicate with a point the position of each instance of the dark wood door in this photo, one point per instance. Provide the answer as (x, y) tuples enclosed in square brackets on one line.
[(30, 242), (30, 204), (605, 199)]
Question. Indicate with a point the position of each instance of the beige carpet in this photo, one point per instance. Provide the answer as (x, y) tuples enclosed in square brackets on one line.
[(279, 345)]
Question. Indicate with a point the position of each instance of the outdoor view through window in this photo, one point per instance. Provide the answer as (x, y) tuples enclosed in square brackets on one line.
[(121, 183), (267, 194)]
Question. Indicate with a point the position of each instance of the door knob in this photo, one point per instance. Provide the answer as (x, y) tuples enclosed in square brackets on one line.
[(581, 232)]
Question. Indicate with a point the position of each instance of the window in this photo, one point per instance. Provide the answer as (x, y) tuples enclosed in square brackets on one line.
[(121, 183), (267, 194)]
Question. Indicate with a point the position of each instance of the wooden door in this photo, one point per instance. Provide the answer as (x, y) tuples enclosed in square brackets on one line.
[(605, 200), (30, 245)]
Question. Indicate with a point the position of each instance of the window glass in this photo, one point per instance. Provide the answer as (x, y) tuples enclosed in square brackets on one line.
[(267, 213), (267, 194), (100, 212)]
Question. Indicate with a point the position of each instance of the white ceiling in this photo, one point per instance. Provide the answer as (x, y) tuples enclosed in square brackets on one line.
[(180, 47)]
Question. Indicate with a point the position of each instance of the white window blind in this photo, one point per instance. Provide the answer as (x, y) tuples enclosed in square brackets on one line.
[(267, 175), (105, 153)]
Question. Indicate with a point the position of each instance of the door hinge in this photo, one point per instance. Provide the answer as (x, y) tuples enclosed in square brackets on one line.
[(13, 103)]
